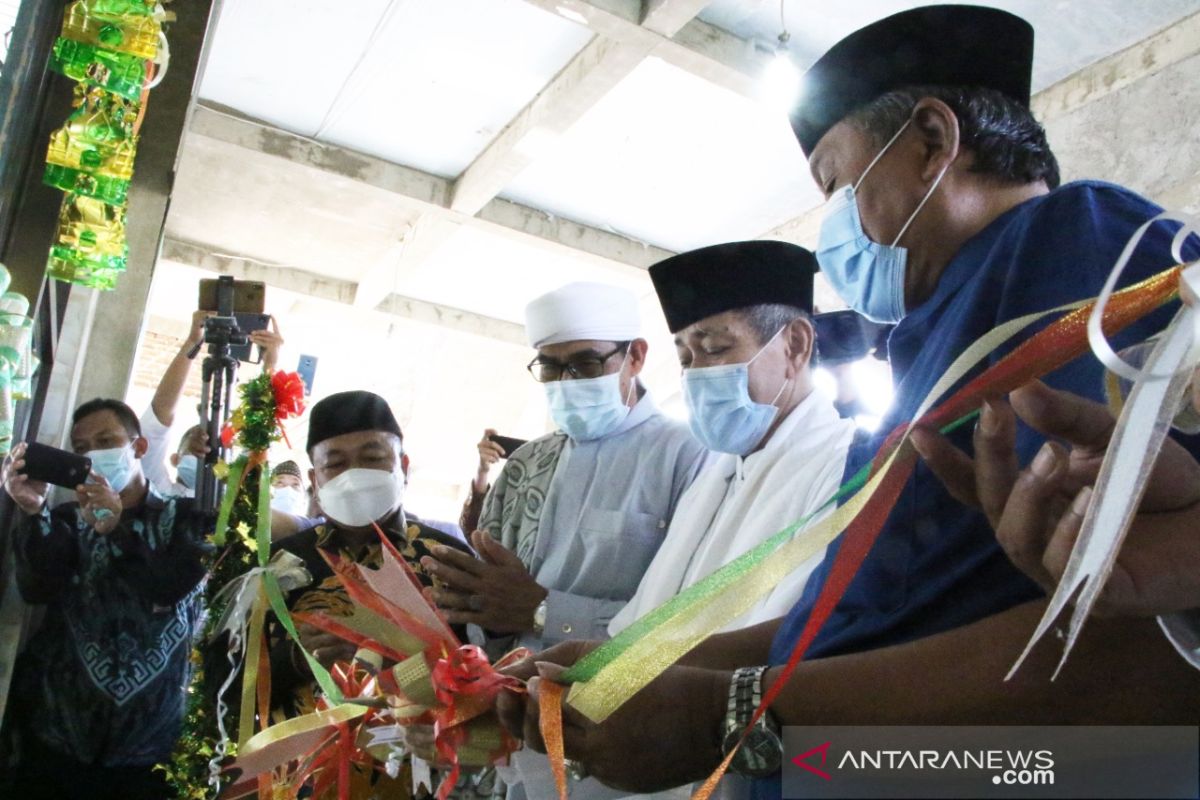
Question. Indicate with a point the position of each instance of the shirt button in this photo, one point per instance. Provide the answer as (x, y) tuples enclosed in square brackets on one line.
[(567, 627)]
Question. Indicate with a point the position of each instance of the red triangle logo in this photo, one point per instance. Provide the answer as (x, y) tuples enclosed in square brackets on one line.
[(800, 762)]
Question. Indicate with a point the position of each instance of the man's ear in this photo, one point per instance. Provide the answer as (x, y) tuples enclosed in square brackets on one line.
[(637, 356), (801, 341), (312, 478), (174, 459), (404, 465), (937, 125), (140, 445)]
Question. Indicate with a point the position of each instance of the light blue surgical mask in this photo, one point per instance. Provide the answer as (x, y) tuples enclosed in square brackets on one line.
[(186, 471), (867, 275), (722, 415), (588, 408), (115, 464)]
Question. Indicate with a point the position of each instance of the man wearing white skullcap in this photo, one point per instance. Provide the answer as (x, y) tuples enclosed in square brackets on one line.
[(576, 516)]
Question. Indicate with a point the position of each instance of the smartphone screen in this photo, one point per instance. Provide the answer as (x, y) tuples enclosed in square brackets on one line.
[(308, 371)]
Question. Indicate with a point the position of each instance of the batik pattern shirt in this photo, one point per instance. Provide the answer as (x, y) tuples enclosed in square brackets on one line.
[(104, 679)]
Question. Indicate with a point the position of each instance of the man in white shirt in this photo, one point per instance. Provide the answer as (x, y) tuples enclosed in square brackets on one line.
[(740, 313)]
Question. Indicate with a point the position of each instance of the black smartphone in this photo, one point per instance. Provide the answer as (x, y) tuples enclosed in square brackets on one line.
[(249, 297), (508, 444), (249, 323), (308, 372), (59, 467)]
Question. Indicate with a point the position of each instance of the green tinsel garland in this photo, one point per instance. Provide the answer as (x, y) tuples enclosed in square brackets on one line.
[(255, 426)]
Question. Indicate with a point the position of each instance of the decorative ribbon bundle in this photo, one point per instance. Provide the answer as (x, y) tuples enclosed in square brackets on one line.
[(435, 681), (608, 676), (1135, 445), (243, 583)]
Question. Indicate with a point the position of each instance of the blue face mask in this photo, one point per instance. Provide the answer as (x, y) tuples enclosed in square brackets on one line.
[(189, 467), (115, 465), (587, 408), (867, 275), (723, 416)]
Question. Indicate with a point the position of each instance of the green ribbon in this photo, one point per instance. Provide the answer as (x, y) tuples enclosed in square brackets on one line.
[(275, 595), (587, 667)]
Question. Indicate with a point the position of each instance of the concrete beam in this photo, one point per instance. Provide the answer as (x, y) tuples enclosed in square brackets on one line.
[(290, 279), (704, 50), (666, 17), (594, 71), (591, 74), (416, 244), (1153, 54), (423, 191)]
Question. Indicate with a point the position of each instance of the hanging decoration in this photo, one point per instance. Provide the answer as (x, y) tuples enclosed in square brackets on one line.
[(237, 588), (110, 47), (17, 361)]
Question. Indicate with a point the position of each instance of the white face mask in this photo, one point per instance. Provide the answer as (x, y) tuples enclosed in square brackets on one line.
[(359, 497), (290, 500)]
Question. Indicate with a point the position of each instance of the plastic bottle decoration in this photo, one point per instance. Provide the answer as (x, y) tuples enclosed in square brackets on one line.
[(132, 32), (17, 362), (92, 154), (109, 47)]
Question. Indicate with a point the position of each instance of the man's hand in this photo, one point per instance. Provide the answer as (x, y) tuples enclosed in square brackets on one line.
[(270, 342), (324, 647), (489, 454), (196, 442), (29, 495), (100, 504), (494, 591), (668, 734), (196, 332), (1037, 512)]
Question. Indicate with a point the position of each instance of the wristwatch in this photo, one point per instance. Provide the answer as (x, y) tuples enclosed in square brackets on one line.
[(761, 754), (539, 619)]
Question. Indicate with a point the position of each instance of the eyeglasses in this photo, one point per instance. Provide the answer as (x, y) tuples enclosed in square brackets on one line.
[(545, 370)]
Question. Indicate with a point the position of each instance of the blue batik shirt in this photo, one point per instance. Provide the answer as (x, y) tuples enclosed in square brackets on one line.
[(104, 680), (936, 565)]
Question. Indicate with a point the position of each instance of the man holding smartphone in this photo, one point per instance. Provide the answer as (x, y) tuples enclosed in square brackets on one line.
[(98, 693)]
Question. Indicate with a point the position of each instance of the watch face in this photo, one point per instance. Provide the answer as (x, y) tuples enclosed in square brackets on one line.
[(760, 755)]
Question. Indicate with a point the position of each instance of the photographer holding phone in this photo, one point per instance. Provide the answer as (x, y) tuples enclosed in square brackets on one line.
[(98, 694)]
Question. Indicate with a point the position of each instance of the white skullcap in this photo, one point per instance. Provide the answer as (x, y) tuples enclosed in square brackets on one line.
[(580, 311)]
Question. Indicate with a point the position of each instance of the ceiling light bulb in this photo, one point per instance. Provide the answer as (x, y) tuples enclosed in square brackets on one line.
[(781, 80)]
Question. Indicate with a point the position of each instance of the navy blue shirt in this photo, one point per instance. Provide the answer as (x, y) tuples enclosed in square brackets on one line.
[(936, 565)]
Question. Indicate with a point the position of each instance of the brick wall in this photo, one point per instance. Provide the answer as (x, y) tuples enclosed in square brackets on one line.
[(153, 358)]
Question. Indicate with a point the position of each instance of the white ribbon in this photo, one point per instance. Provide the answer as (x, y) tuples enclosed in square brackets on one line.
[(241, 593), (1191, 276), (1136, 441)]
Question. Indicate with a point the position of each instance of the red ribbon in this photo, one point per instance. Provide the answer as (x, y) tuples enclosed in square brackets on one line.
[(1044, 352)]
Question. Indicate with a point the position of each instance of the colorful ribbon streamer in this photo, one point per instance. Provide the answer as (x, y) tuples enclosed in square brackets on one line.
[(607, 677)]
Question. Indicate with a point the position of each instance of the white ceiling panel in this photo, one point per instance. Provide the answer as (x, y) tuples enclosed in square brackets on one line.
[(426, 84), (674, 161)]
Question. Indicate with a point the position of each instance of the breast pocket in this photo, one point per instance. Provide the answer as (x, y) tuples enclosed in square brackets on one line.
[(623, 541)]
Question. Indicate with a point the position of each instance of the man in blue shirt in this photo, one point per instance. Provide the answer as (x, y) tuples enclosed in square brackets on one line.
[(945, 216)]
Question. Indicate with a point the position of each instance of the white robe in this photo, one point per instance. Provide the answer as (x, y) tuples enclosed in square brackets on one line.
[(737, 503)]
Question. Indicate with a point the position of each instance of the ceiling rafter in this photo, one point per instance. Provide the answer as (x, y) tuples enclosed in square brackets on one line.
[(587, 78), (210, 259), (425, 192)]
